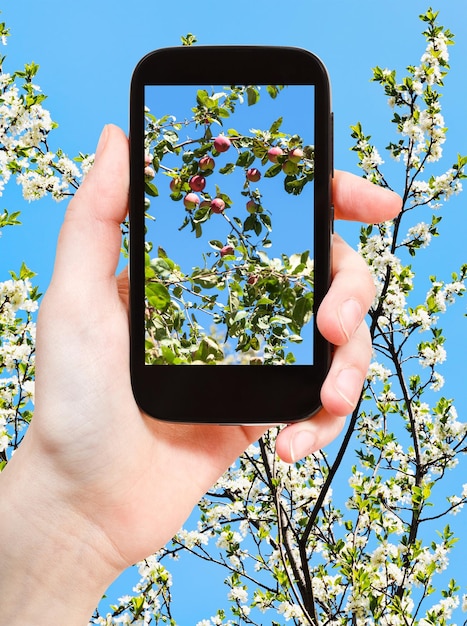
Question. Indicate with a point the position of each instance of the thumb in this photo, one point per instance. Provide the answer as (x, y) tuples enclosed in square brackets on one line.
[(90, 238)]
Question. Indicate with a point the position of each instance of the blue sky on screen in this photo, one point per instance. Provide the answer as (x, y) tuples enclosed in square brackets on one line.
[(87, 52)]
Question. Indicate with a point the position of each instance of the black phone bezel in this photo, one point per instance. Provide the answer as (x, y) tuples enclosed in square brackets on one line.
[(230, 394)]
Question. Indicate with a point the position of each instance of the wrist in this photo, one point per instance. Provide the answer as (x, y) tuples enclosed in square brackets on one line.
[(53, 565)]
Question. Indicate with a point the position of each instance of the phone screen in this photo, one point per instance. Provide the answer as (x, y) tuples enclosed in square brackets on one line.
[(229, 224)]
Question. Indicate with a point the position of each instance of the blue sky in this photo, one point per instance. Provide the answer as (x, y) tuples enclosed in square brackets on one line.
[(87, 52)]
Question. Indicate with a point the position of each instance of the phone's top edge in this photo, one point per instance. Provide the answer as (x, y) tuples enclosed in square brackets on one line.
[(187, 50), (261, 51), (226, 46)]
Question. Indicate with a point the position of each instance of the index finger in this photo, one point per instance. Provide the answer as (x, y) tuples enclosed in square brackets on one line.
[(357, 199)]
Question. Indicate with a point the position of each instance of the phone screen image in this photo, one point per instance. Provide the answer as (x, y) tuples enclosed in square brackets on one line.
[(230, 227), (229, 224)]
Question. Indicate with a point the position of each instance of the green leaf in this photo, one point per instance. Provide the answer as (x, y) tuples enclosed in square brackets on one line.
[(245, 159), (272, 171), (206, 279), (251, 223), (161, 267), (201, 214), (265, 218), (202, 96), (158, 296), (171, 136), (216, 244), (302, 311), (24, 273), (273, 90), (151, 189), (188, 40), (252, 95), (9, 219), (275, 126), (227, 169), (280, 319), (295, 338)]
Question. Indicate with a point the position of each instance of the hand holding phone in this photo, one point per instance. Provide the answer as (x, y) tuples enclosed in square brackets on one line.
[(230, 227)]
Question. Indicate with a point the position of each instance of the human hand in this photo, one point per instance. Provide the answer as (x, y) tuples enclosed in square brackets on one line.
[(111, 485)]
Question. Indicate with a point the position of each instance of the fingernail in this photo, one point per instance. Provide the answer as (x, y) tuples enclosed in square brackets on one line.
[(349, 385), (301, 444), (102, 141), (350, 316)]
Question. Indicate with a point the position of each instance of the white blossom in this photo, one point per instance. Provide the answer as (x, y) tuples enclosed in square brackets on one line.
[(432, 355), (238, 594)]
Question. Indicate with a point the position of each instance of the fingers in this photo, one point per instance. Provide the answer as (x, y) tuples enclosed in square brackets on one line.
[(339, 396), (349, 297), (299, 440), (343, 385), (358, 199), (90, 239), (340, 319)]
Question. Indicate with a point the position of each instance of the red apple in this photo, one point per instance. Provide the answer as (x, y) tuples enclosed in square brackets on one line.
[(274, 152), (149, 173), (197, 183), (206, 163), (191, 201), (175, 184), (295, 155), (217, 205), (227, 250), (253, 175), (252, 279), (221, 143)]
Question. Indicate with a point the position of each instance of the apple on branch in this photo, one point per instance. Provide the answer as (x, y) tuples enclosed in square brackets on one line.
[(217, 205), (191, 201), (222, 143), (197, 182), (253, 174), (274, 153), (206, 163), (227, 249)]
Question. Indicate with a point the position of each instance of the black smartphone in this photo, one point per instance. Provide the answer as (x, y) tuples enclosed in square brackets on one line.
[(230, 233)]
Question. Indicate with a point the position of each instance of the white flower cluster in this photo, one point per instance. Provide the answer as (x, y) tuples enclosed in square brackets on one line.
[(377, 371), (51, 175), (421, 233), (443, 294), (440, 612), (290, 610), (370, 160), (389, 276), (17, 338), (430, 192), (24, 127), (420, 125), (434, 60)]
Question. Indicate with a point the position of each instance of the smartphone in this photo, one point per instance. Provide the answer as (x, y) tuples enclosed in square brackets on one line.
[(230, 229)]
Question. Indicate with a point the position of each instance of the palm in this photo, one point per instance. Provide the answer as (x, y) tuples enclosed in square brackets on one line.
[(135, 477)]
